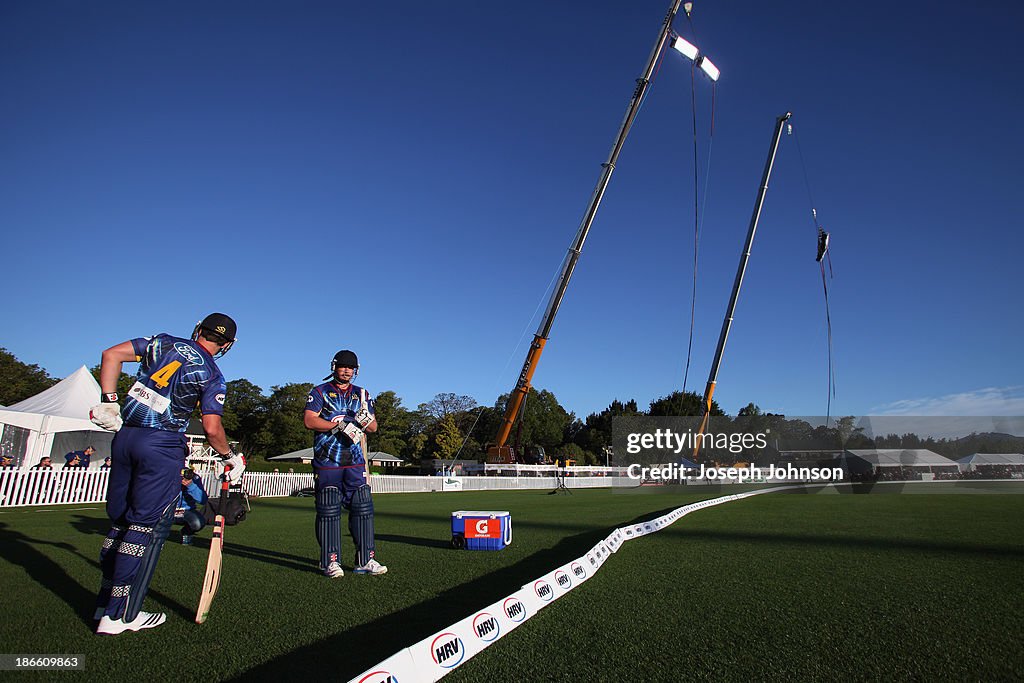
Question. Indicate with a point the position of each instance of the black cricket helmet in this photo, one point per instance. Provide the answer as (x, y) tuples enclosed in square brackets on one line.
[(344, 359), (217, 327)]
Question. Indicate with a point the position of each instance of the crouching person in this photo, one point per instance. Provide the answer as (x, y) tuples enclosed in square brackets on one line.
[(191, 501)]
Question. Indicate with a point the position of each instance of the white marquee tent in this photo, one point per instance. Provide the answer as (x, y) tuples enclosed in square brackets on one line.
[(970, 463), (54, 421)]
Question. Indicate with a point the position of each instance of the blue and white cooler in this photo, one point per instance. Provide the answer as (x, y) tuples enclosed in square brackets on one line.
[(481, 530)]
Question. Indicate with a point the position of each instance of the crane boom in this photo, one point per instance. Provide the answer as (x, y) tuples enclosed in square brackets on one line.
[(762, 190), (522, 386)]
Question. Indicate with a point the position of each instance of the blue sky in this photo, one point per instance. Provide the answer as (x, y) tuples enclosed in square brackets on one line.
[(403, 179)]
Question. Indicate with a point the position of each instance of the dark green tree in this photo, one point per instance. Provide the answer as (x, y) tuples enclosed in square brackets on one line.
[(542, 422), (19, 381), (683, 403), (596, 433), (124, 380), (283, 430), (245, 410), (393, 423)]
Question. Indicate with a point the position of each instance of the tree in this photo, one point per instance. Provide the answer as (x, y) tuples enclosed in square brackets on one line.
[(683, 403), (124, 380), (447, 404), (543, 420), (749, 410), (448, 438), (19, 381), (245, 410), (596, 433), (393, 422), (571, 451), (283, 430)]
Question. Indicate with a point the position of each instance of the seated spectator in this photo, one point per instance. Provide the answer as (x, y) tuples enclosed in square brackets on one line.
[(79, 458), (43, 464), (106, 463), (6, 462)]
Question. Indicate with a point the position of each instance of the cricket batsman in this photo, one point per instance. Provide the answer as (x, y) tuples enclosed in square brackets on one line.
[(148, 454), (339, 412)]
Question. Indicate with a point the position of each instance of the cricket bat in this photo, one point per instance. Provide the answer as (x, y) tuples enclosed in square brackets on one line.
[(213, 563)]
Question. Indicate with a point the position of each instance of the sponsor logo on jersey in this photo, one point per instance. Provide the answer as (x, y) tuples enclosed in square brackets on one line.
[(379, 677), (563, 580), (514, 609), (309, 399), (486, 627), (149, 398), (543, 590), (219, 398), (447, 650), (188, 353)]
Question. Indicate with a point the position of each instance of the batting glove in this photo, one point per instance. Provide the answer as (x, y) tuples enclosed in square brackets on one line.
[(106, 415), (231, 466), (348, 429), (363, 418)]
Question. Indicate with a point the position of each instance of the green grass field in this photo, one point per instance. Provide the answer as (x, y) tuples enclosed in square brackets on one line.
[(775, 586)]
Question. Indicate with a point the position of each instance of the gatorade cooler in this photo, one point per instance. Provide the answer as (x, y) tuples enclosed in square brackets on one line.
[(479, 530)]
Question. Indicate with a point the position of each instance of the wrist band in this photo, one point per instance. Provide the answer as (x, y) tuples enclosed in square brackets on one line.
[(109, 398)]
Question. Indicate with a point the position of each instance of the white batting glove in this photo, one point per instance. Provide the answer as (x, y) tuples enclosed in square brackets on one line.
[(231, 466), (349, 429), (106, 415), (363, 418)]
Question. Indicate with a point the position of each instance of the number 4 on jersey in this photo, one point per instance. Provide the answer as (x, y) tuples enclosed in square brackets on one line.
[(162, 377)]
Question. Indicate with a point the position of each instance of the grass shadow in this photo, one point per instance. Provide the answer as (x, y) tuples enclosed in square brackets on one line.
[(20, 550), (362, 646)]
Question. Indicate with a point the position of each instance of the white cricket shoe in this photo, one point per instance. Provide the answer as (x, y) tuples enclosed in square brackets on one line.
[(111, 627), (334, 570), (372, 567)]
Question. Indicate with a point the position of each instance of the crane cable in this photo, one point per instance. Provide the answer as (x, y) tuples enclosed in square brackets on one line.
[(699, 211), (823, 254)]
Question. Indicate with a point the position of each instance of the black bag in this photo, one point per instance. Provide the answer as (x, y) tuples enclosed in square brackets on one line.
[(234, 508)]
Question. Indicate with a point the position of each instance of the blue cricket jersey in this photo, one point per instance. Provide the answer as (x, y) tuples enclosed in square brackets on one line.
[(175, 375), (330, 402)]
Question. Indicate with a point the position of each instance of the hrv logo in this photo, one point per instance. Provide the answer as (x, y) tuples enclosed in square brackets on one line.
[(514, 610), (447, 650), (543, 590), (578, 570), (563, 580), (486, 627), (188, 353), (379, 677)]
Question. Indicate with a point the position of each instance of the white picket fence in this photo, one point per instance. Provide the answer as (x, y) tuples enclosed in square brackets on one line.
[(52, 487), (75, 486)]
